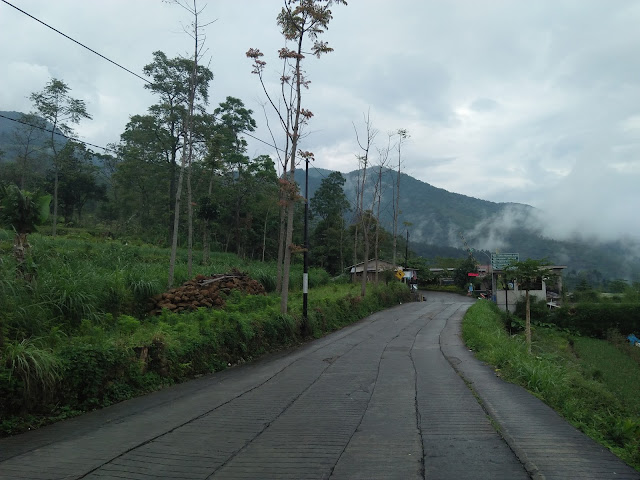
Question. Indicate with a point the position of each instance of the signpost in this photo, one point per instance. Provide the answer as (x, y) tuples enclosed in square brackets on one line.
[(499, 261), (399, 274)]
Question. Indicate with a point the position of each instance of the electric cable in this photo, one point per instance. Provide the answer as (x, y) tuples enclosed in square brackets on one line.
[(114, 63), (56, 133), (76, 41)]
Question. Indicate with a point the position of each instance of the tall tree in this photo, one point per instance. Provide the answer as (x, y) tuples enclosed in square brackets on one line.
[(299, 20), (218, 144), (77, 183), (383, 159), (22, 211), (57, 107), (234, 119), (172, 81), (196, 89), (329, 205)]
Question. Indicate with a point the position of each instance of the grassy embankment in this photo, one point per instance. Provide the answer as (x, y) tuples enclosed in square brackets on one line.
[(75, 337), (593, 383)]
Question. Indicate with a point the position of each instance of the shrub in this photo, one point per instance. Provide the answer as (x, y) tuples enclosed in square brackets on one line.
[(537, 307), (90, 369), (30, 374), (595, 319)]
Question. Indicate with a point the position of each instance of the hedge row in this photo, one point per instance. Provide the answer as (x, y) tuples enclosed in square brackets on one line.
[(595, 319)]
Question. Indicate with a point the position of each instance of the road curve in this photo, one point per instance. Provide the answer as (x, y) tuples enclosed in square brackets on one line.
[(394, 396)]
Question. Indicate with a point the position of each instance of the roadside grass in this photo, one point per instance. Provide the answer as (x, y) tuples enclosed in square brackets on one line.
[(592, 383), (76, 336)]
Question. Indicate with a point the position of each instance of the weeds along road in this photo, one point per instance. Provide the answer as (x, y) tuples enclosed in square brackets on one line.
[(378, 400)]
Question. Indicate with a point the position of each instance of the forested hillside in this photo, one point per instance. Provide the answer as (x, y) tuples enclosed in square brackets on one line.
[(438, 220), (128, 193)]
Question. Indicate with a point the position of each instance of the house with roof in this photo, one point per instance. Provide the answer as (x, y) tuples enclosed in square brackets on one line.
[(506, 292), (407, 275)]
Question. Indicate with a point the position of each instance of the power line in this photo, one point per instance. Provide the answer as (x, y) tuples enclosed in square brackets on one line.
[(56, 133), (113, 62), (98, 146), (263, 141), (79, 43)]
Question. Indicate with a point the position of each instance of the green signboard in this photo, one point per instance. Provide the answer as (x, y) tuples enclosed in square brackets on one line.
[(499, 261)]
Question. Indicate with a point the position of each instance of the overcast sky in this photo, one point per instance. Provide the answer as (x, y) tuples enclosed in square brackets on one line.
[(534, 102)]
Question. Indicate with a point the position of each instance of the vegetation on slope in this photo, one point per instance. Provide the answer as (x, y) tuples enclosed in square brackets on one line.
[(76, 336), (592, 382)]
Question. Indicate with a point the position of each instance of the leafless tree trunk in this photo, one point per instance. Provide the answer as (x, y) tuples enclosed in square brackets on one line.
[(205, 225), (377, 240), (264, 234), (307, 19), (366, 217), (187, 150), (402, 133), (189, 213), (383, 159)]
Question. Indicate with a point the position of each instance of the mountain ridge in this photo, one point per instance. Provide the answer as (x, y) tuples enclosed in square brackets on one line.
[(440, 222)]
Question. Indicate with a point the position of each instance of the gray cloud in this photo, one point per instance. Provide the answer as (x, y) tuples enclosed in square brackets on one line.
[(533, 102), (484, 105)]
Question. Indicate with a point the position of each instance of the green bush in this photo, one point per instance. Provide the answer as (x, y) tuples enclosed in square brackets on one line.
[(595, 319), (537, 308), (29, 373), (89, 370)]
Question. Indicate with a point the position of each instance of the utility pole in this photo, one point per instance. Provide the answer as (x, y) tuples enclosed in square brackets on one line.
[(305, 274), (406, 252)]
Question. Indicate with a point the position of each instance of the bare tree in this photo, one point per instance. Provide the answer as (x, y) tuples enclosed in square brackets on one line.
[(402, 133), (383, 159), (299, 20), (365, 217), (187, 136)]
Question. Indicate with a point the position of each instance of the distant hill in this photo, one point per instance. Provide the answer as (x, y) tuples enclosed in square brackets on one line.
[(438, 218), (8, 141)]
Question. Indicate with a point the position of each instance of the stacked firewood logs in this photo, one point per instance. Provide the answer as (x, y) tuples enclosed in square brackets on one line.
[(205, 291)]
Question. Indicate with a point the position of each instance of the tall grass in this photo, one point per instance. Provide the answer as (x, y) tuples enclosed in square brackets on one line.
[(76, 335), (34, 368), (590, 382), (77, 279)]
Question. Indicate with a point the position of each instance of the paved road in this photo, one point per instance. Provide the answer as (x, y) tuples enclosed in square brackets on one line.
[(394, 396)]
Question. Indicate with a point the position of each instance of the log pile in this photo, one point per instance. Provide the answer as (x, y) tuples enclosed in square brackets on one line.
[(205, 291)]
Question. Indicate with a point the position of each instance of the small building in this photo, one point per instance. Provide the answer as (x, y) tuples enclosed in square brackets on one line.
[(484, 270), (409, 275), (356, 270), (444, 275), (506, 299)]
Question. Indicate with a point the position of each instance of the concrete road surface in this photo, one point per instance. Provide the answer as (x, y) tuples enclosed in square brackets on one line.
[(395, 396)]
